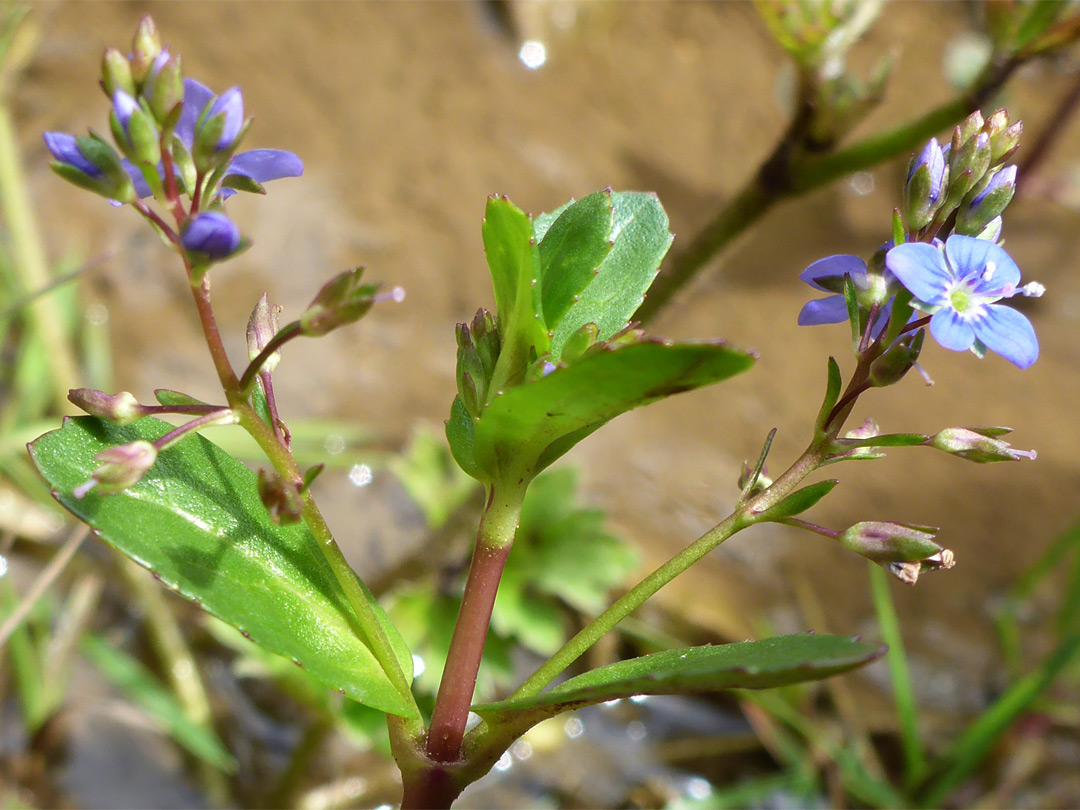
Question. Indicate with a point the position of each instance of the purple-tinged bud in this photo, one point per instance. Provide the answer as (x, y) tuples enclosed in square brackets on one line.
[(134, 130), (281, 498), (121, 467), (121, 409), (164, 89), (116, 73), (992, 231), (978, 444), (261, 328), (986, 201), (762, 483), (967, 129), (211, 235), (229, 105), (903, 549), (925, 182), (90, 163), (65, 148), (145, 48)]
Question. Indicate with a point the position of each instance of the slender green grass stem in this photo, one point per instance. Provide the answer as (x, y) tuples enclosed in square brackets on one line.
[(32, 268), (903, 693), (180, 667)]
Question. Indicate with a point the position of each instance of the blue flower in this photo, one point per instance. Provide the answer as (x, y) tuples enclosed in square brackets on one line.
[(260, 165), (959, 286), (828, 274), (212, 234)]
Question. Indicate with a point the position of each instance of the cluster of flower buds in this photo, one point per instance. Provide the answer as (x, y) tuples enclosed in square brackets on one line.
[(284, 500), (478, 351), (966, 176), (173, 137), (903, 549)]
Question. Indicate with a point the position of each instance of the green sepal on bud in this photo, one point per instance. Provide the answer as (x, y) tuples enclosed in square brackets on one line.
[(121, 468), (145, 48), (905, 550), (282, 499), (113, 182), (140, 139), (342, 300), (986, 202), (184, 167), (478, 352), (978, 444), (116, 73), (120, 409), (164, 93), (891, 367), (580, 342)]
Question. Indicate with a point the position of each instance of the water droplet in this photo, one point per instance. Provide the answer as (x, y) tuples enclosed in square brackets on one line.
[(862, 183), (533, 54), (360, 475)]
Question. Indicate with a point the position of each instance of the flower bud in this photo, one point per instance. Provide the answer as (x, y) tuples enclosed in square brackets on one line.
[(925, 183), (281, 498), (967, 129), (1005, 143), (116, 73), (580, 342), (134, 130), (986, 201), (219, 129), (762, 483), (164, 89), (145, 48), (342, 300), (903, 549), (261, 328), (968, 165), (485, 335), (992, 231), (121, 409), (90, 163), (211, 236), (978, 444), (121, 468), (891, 367)]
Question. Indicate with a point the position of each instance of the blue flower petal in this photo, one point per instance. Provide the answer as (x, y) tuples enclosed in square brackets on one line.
[(1009, 333), (196, 97), (967, 255), (65, 148), (824, 310), (263, 165), (951, 331), (231, 105), (137, 179), (833, 267), (921, 268)]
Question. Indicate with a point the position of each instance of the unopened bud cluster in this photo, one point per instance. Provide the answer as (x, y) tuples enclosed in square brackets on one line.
[(478, 350), (903, 549), (966, 176)]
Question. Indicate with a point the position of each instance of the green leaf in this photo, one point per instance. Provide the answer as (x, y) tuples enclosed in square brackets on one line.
[(641, 239), (542, 222), (139, 686), (832, 393), (514, 260), (800, 500), (529, 426), (742, 665), (195, 520), (571, 252), (461, 435)]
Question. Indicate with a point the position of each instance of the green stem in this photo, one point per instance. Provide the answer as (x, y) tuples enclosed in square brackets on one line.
[(903, 693), (495, 537), (44, 316), (790, 172)]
